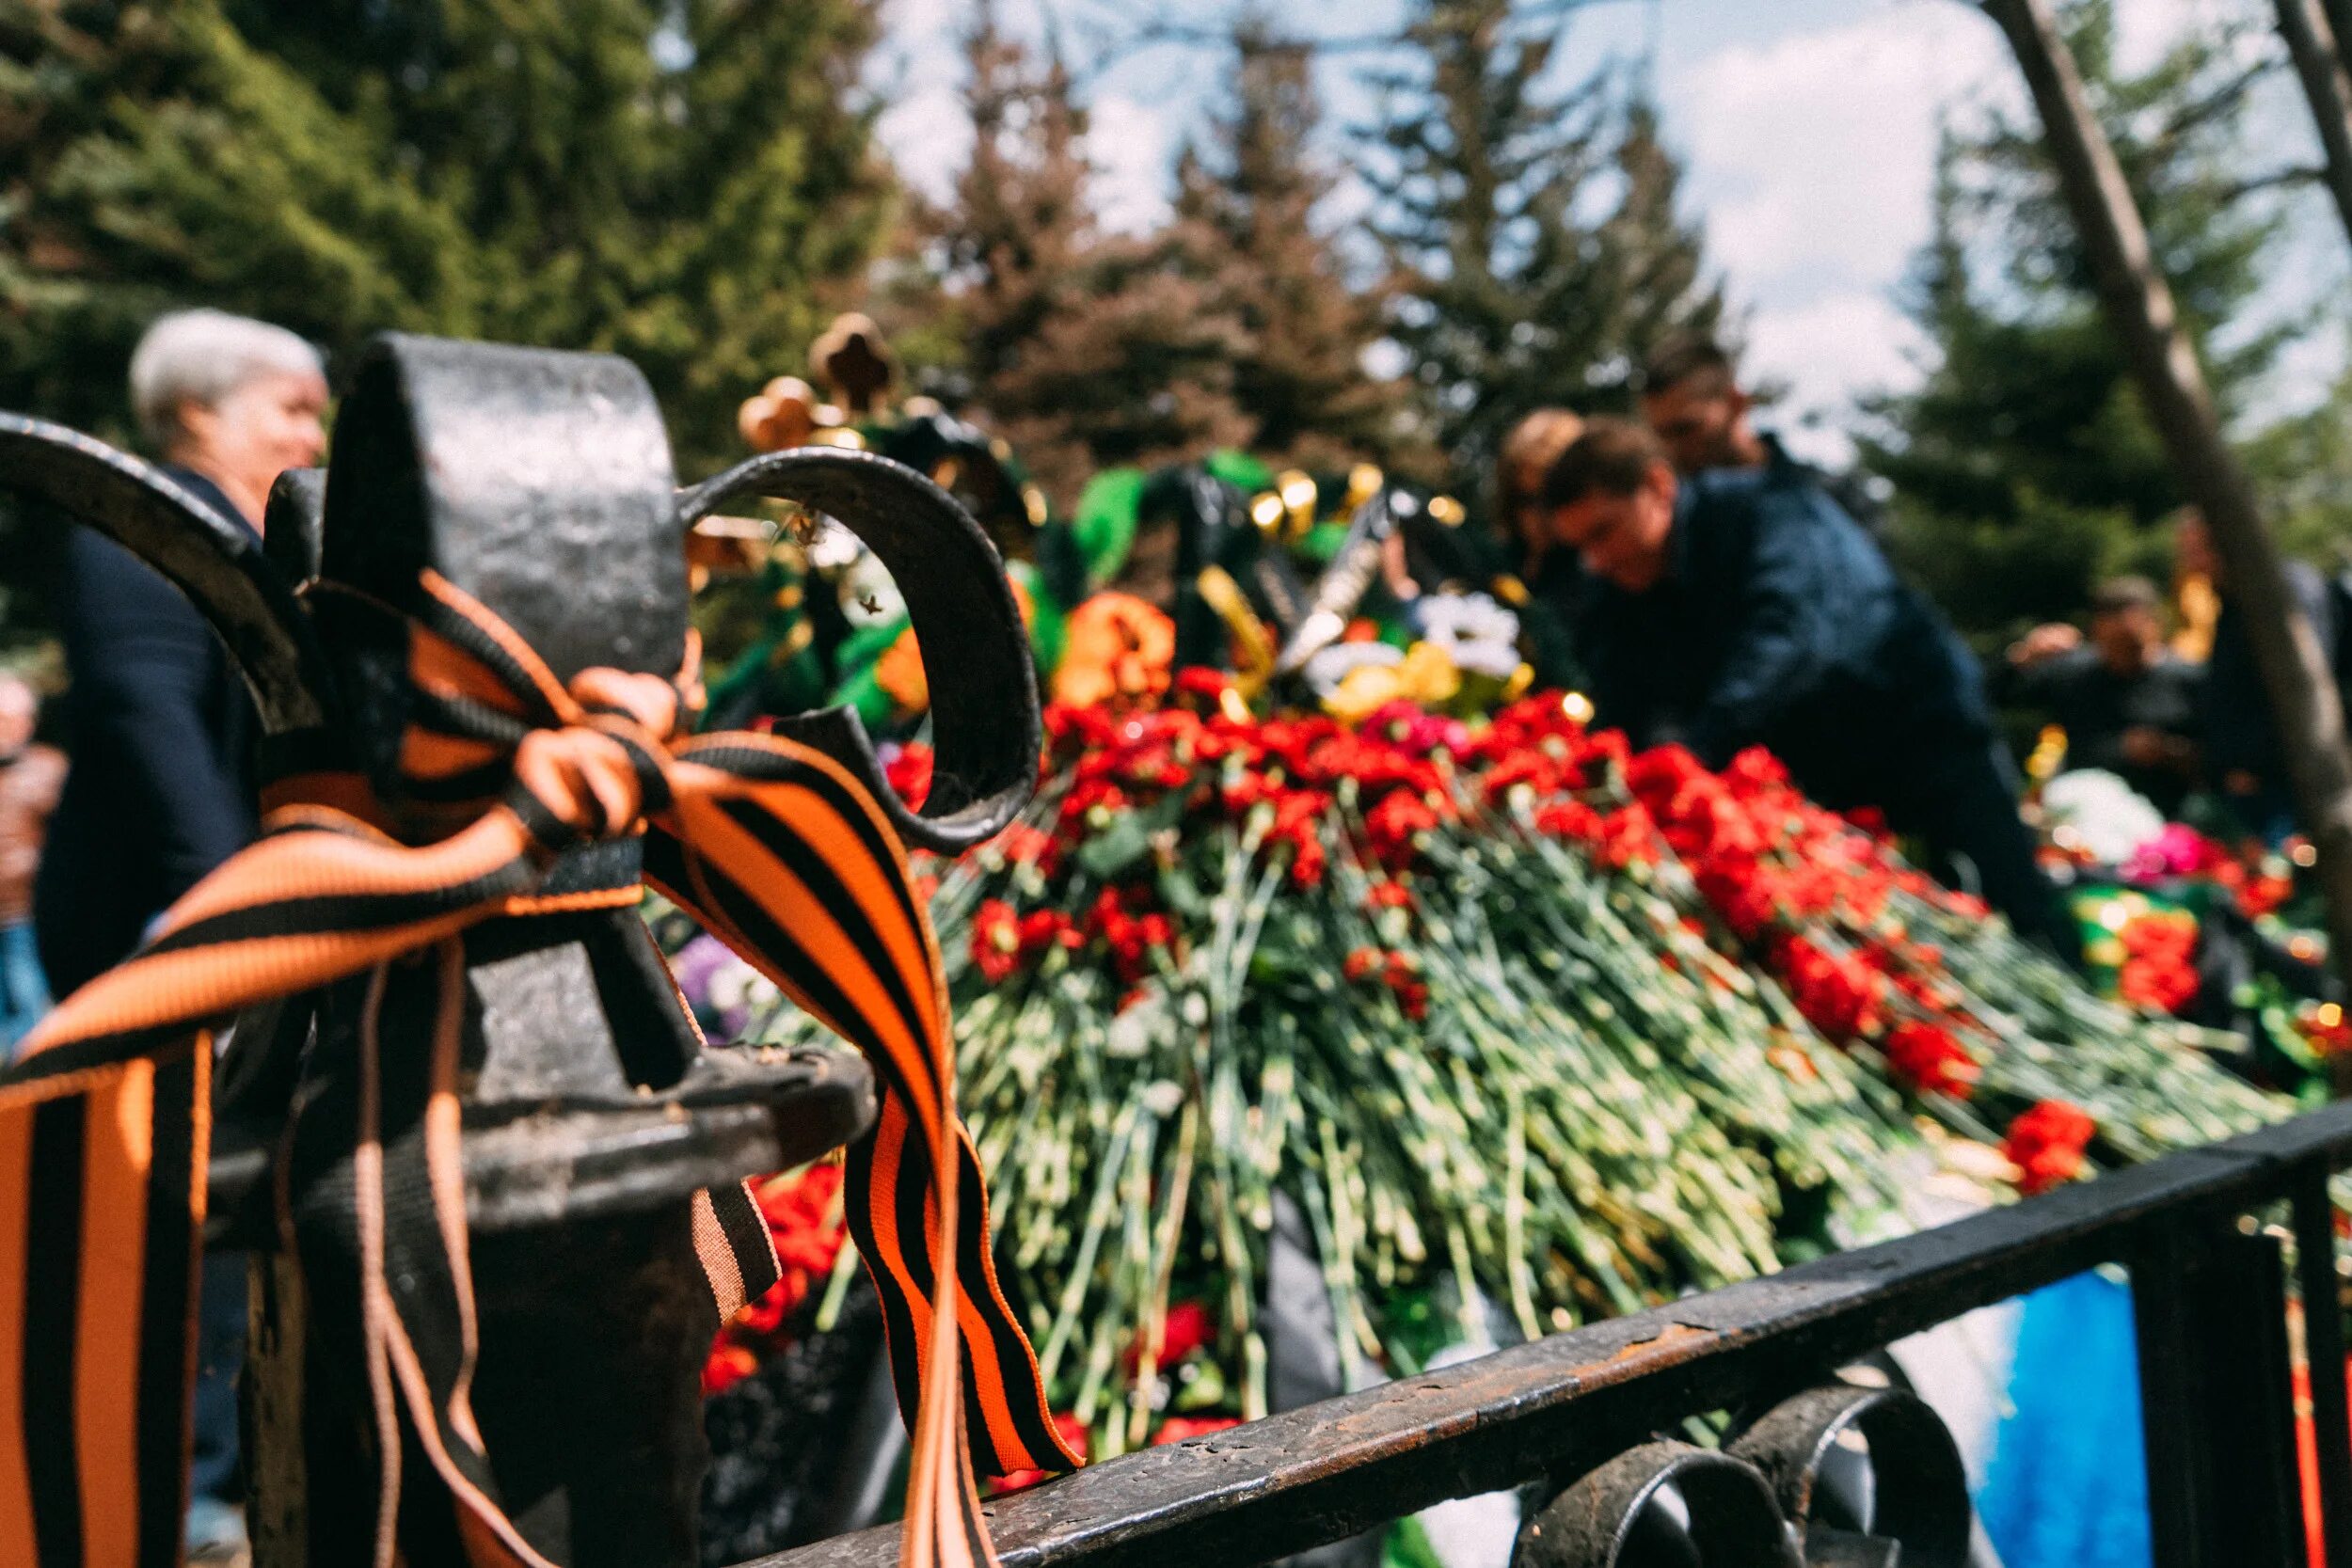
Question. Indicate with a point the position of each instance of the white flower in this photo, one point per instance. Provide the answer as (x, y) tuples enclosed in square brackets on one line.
[(739, 985), (833, 547), (1480, 636), (2100, 814), (1328, 668), (868, 597), (1137, 1025)]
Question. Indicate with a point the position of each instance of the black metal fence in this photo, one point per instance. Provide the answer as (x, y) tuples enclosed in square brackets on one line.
[(2202, 1232)]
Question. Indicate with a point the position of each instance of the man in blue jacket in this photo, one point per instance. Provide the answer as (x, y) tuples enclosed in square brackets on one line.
[(1736, 608)]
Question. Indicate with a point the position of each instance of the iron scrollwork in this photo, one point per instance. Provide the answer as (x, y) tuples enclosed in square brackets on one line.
[(1838, 1475)]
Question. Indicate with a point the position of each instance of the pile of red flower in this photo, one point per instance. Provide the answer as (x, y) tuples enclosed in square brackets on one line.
[(1861, 941), (1496, 1003), (2159, 969)]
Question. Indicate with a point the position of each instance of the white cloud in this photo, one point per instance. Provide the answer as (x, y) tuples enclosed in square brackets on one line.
[(1826, 350), (1811, 153), (928, 138), (1812, 159), (1132, 145)]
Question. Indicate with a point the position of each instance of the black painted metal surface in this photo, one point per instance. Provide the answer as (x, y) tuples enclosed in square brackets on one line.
[(986, 728), (1916, 1493), (2216, 1399), (1563, 1405)]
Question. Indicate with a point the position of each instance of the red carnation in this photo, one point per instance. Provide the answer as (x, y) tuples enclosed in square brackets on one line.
[(995, 940), (727, 1366), (1184, 1328), (2159, 971), (910, 773), (1931, 1059), (2047, 1145)]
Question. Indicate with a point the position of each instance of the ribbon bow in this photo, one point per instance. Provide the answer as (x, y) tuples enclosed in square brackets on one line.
[(774, 847)]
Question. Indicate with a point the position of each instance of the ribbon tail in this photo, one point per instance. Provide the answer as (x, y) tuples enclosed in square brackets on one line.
[(102, 1210), (781, 853)]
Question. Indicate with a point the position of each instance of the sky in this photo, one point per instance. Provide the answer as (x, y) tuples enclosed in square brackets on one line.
[(1808, 128)]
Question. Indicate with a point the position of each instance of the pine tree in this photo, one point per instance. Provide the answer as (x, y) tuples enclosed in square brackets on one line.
[(1507, 294), (1083, 348), (2024, 466), (1251, 222), (682, 184)]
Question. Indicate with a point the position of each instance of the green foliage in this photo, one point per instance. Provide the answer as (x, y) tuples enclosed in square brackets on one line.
[(1534, 236), (1085, 349), (2024, 466), (682, 184), (2304, 467), (1249, 216)]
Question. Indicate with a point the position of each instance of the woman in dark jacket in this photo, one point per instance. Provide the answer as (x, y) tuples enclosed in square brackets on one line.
[(157, 722), (161, 732)]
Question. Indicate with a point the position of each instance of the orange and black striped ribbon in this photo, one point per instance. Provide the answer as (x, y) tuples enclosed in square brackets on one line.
[(779, 849)]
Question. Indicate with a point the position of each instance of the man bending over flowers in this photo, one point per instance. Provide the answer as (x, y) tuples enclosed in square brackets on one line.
[(1740, 607)]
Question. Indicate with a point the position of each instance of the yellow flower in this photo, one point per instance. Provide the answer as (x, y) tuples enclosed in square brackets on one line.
[(1428, 675), (1363, 691)]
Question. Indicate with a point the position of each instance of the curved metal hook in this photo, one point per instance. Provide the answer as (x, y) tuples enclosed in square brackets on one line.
[(1918, 1489), (216, 562), (1610, 1518), (985, 722)]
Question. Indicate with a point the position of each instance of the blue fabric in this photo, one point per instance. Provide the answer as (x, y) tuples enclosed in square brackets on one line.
[(23, 989), (2067, 1488), (214, 1469)]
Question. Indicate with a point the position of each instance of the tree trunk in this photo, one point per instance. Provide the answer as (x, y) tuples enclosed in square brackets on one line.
[(2311, 43), (2141, 312), (2338, 14)]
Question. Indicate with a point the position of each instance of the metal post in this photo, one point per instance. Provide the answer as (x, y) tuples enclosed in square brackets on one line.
[(2323, 1349), (2216, 1399)]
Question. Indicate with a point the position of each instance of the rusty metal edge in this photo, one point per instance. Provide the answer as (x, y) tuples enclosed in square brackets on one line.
[(1560, 1404)]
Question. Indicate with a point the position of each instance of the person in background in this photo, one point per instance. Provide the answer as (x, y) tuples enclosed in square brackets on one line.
[(157, 721), (2127, 703), (1692, 401), (30, 777), (160, 730), (1538, 580), (1528, 451), (2196, 604), (1738, 608), (2244, 760)]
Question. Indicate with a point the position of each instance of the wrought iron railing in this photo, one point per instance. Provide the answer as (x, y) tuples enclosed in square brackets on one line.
[(2208, 1236)]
